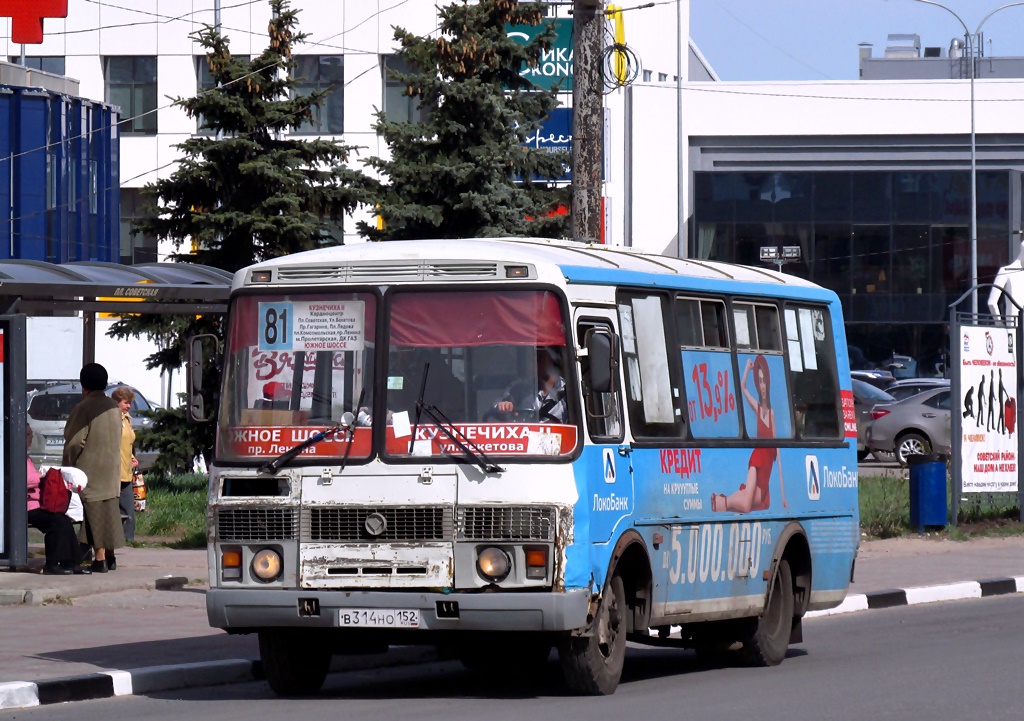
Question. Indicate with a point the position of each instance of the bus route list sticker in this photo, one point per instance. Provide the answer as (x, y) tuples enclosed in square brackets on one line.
[(315, 325)]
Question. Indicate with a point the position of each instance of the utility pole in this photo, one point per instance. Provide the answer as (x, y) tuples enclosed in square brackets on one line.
[(587, 119)]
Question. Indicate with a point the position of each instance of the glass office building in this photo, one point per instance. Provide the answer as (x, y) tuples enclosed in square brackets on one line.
[(894, 244)]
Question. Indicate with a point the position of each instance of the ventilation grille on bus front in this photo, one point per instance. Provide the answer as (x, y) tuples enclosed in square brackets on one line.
[(257, 524), (355, 272), (506, 523), (389, 524)]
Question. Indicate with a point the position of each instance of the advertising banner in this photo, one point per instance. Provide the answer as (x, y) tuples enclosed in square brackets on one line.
[(988, 402), (555, 66)]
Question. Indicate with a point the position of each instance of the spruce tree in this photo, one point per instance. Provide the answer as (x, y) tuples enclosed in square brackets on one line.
[(244, 192), (455, 175)]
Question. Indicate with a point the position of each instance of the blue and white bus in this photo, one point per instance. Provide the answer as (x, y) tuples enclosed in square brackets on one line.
[(507, 446)]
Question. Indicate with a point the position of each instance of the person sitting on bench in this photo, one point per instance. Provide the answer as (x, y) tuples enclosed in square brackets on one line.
[(58, 532)]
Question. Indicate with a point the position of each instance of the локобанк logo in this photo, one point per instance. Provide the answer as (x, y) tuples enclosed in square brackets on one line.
[(813, 478)]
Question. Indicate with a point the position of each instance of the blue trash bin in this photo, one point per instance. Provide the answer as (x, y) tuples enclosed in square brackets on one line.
[(927, 490)]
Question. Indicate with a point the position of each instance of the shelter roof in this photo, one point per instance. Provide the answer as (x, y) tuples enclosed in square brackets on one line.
[(32, 286)]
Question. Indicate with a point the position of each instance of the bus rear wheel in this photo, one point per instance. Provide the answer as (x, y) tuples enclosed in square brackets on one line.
[(769, 641), (592, 665), (295, 661)]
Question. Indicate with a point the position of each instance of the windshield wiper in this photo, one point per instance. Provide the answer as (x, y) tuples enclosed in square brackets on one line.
[(347, 423), (470, 450)]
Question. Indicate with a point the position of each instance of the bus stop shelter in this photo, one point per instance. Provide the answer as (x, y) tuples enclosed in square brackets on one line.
[(29, 287)]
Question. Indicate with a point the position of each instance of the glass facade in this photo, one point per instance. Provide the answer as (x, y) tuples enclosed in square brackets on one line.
[(895, 245), (322, 73), (131, 84), (58, 177)]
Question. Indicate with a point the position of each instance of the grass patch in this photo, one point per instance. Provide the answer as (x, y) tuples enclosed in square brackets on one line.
[(175, 512), (885, 510)]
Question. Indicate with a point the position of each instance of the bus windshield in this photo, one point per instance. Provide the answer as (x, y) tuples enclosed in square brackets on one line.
[(495, 365), (295, 363), (483, 368)]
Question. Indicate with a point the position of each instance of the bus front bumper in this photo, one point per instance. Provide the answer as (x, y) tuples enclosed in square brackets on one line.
[(252, 609)]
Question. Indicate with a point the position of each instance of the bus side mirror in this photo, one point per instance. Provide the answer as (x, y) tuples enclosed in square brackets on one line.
[(194, 377), (601, 356)]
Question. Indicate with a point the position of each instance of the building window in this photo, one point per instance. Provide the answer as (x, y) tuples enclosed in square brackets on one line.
[(399, 107), (647, 76), (206, 81), (662, 77), (131, 84), (47, 63), (322, 73), (139, 248)]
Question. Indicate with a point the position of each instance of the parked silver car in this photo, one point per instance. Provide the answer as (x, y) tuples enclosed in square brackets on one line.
[(48, 410), (918, 424), (907, 387), (865, 397)]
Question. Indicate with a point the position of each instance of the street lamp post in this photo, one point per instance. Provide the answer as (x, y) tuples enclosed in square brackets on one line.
[(974, 166)]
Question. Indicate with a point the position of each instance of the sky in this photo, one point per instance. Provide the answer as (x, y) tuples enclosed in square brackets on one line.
[(817, 39)]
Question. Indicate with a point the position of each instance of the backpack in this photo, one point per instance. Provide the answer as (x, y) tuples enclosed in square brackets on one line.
[(54, 495)]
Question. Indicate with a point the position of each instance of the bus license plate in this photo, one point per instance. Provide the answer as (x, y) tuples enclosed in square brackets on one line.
[(379, 618)]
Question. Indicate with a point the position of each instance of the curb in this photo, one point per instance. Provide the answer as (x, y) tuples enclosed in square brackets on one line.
[(39, 596), (924, 594), (913, 596), (154, 679)]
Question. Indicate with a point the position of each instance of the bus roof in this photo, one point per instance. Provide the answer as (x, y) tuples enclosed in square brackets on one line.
[(574, 261)]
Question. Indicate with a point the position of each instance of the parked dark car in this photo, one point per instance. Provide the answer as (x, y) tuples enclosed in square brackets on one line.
[(906, 387), (865, 397), (918, 424), (877, 378)]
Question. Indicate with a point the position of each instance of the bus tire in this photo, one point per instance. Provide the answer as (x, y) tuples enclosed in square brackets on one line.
[(295, 661), (769, 641), (592, 665)]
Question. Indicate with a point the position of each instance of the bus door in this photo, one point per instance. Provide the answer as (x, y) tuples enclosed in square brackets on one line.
[(605, 470)]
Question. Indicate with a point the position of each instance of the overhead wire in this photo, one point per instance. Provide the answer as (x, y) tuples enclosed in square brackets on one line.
[(123, 183), (185, 17)]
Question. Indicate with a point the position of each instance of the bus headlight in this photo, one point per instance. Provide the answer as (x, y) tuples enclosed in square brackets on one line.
[(266, 564), (493, 564)]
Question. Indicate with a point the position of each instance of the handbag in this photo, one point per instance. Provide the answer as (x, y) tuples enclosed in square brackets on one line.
[(54, 495)]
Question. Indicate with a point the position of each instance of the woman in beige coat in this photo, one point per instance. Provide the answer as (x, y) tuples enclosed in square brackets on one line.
[(92, 443)]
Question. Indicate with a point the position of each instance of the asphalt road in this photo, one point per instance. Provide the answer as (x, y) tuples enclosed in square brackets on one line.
[(941, 661)]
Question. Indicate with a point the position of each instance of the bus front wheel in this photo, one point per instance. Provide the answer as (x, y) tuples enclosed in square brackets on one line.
[(295, 661), (769, 640), (592, 664)]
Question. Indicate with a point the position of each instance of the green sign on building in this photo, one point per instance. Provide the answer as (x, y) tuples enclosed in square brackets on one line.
[(555, 66)]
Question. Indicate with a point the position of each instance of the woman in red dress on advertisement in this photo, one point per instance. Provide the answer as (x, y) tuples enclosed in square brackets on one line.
[(753, 495)]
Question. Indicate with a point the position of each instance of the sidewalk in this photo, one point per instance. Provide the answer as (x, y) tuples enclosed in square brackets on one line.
[(57, 627)]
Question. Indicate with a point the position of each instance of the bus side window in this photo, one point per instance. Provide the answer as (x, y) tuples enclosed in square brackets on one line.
[(813, 376), (709, 380), (603, 411), (652, 391), (762, 369)]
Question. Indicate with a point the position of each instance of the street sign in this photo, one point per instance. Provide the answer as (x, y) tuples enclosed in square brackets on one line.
[(27, 17)]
